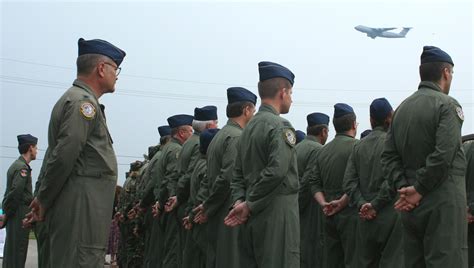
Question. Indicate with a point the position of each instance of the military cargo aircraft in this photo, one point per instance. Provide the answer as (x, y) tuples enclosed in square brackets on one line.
[(382, 32)]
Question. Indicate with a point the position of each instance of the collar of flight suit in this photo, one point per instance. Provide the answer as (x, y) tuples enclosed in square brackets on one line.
[(343, 136), (24, 161), (311, 138), (232, 123), (85, 87), (267, 108), (430, 85)]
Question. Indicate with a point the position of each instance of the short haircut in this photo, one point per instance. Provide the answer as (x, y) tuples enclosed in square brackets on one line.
[(344, 123), (87, 62), (269, 88), (23, 148), (378, 122), (164, 139), (236, 109), (315, 130), (175, 130), (200, 126), (432, 71)]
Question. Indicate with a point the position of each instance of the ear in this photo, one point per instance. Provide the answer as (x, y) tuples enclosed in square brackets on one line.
[(101, 69)]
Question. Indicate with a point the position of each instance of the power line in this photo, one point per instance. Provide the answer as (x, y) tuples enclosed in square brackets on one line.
[(43, 150), (160, 95), (41, 159), (212, 83)]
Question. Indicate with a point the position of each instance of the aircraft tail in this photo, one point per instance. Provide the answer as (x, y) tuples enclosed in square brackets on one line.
[(404, 31)]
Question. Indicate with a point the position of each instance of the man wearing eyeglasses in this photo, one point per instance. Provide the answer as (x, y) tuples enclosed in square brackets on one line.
[(79, 172)]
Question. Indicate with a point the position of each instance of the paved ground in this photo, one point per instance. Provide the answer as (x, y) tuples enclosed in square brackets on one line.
[(32, 258)]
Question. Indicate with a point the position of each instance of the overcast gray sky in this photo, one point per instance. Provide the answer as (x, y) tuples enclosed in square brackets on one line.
[(182, 55)]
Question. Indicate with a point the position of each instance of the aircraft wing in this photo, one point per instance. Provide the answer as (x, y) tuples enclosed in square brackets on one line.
[(385, 29)]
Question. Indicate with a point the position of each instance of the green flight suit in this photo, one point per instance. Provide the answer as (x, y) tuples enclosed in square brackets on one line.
[(155, 233), (311, 215), (423, 149), (266, 177), (327, 177), (41, 232), (194, 253), (80, 175), (469, 151), (223, 248), (380, 241), (123, 206), (18, 196), (168, 175), (186, 163)]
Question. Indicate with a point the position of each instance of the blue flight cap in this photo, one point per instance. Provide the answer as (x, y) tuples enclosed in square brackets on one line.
[(300, 135), (205, 139), (26, 139), (180, 120), (98, 46), (434, 54), (164, 130), (341, 109), (205, 113), (365, 133), (380, 109), (240, 94), (317, 119), (270, 70)]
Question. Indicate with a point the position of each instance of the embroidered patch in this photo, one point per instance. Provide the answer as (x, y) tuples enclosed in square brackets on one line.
[(460, 113), (88, 110), (24, 172), (290, 137)]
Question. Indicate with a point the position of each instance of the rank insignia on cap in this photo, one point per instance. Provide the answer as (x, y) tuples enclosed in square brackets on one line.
[(23, 172), (290, 137), (88, 110), (460, 113)]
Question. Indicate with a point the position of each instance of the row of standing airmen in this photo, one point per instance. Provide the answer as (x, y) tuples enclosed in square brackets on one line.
[(247, 195)]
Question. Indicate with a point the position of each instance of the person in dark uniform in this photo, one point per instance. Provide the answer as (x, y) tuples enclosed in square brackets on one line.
[(380, 233), (265, 183), (340, 230), (424, 161), (80, 167), (300, 135), (223, 241), (18, 196), (194, 253), (468, 146), (311, 216)]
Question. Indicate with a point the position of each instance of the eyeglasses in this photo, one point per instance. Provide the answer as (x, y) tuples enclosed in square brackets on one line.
[(117, 69)]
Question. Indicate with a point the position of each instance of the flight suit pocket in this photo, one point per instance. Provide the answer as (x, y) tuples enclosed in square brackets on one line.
[(90, 256)]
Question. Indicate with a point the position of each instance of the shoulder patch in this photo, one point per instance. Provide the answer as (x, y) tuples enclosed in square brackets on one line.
[(460, 113), (23, 172), (290, 137), (88, 110), (177, 155)]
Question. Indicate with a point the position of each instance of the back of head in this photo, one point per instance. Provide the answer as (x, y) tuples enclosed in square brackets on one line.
[(273, 77), (380, 110), (205, 139), (344, 117), (432, 62), (237, 99), (316, 123)]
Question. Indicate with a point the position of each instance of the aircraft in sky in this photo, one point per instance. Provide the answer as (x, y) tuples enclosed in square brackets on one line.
[(382, 32)]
